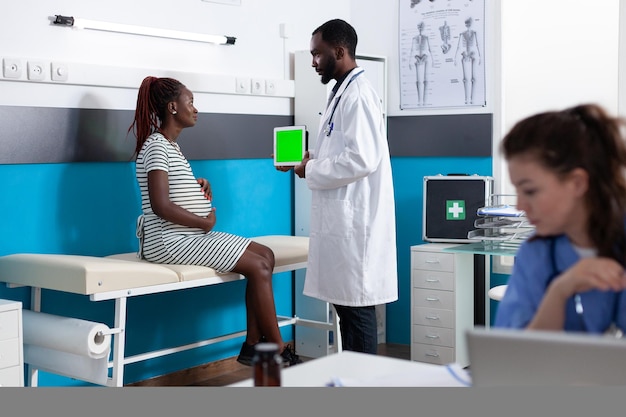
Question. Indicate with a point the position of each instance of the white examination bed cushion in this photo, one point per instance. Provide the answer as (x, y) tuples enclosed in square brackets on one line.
[(80, 274), (288, 250), (89, 275)]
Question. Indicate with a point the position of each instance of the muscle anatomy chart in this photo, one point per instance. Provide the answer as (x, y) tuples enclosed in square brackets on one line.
[(442, 53)]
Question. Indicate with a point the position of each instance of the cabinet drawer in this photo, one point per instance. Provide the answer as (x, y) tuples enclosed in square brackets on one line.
[(10, 377), (9, 353), (433, 317), (435, 280), (433, 299), (438, 355), (9, 324), (433, 261), (439, 336)]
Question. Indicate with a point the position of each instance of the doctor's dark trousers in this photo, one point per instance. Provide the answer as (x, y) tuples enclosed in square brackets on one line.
[(358, 327)]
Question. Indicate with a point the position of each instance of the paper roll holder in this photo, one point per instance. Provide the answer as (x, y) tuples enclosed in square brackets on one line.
[(99, 337)]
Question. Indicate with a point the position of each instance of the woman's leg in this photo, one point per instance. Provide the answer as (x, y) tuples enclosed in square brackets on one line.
[(257, 265)]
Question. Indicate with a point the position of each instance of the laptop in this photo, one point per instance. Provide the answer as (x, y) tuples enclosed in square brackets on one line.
[(500, 357)]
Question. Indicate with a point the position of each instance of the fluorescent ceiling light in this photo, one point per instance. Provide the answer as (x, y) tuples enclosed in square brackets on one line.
[(80, 23)]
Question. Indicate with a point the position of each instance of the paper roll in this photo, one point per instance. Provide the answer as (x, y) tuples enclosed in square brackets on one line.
[(88, 369), (65, 334)]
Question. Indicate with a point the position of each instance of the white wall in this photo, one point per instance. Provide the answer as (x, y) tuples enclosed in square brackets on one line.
[(120, 61), (555, 54), (622, 60)]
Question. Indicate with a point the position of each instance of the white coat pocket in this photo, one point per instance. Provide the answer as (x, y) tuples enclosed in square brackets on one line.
[(336, 218)]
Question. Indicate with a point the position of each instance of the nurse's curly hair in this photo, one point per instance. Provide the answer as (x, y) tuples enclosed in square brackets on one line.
[(587, 137), (152, 98)]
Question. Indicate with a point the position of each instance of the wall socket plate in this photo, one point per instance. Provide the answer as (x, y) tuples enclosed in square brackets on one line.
[(58, 71), (36, 70), (270, 87), (258, 86), (11, 68), (243, 85)]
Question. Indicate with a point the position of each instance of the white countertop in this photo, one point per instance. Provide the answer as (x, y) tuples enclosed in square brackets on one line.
[(359, 369)]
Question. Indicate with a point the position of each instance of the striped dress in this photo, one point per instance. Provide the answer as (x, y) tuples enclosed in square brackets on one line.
[(165, 242)]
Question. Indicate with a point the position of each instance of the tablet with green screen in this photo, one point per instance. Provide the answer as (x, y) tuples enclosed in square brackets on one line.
[(289, 145)]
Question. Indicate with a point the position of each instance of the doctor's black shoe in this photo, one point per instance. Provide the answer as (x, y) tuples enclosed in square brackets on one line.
[(289, 356)]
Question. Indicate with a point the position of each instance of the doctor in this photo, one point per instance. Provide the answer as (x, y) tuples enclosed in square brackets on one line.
[(352, 249)]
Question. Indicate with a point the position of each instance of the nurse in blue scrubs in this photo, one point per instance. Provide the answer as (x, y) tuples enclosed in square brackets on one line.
[(568, 171)]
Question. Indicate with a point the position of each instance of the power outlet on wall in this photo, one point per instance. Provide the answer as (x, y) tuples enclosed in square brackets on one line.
[(243, 85), (58, 71), (36, 70), (258, 86), (11, 68)]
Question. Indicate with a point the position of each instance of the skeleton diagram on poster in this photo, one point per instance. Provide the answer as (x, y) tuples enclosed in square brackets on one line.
[(442, 62)]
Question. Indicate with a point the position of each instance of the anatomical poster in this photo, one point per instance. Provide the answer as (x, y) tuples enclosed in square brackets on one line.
[(442, 53)]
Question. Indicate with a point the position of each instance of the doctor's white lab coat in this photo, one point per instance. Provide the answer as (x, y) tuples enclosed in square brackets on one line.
[(352, 245)]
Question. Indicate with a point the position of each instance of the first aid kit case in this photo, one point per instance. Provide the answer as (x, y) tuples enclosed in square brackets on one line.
[(451, 203)]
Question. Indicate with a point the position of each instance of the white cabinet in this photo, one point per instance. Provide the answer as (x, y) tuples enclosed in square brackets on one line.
[(11, 348), (442, 303)]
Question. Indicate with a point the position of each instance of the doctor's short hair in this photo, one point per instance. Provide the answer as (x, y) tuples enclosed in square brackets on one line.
[(337, 32)]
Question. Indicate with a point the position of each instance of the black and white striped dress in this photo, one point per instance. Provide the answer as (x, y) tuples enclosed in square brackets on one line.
[(169, 243)]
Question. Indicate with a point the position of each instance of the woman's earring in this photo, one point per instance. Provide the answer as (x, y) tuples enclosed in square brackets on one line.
[(174, 112)]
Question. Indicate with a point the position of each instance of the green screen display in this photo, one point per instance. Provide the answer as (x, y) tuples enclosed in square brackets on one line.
[(289, 146)]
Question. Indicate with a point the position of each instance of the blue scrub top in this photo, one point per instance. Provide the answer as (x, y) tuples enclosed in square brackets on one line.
[(537, 262)]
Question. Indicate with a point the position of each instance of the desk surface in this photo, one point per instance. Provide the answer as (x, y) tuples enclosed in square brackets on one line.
[(497, 248), (360, 369)]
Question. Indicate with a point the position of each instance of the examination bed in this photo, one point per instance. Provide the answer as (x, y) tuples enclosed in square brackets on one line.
[(118, 277)]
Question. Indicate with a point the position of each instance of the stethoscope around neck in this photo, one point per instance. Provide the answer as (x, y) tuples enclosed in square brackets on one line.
[(330, 125)]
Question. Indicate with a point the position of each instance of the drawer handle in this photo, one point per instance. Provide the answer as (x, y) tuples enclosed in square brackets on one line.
[(432, 336), (433, 354), (432, 280), (431, 261), (432, 298), (432, 317)]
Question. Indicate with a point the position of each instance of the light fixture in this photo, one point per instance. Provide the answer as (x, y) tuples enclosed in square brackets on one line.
[(80, 23)]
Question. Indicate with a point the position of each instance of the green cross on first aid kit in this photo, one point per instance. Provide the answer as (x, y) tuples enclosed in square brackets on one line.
[(450, 205)]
